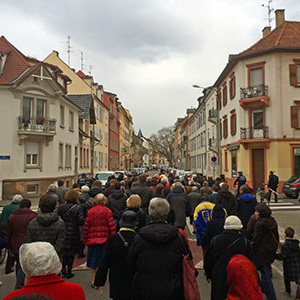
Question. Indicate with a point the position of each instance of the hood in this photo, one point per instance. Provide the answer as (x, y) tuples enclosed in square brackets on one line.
[(218, 212), (23, 211), (47, 219), (117, 194), (247, 197), (159, 232), (292, 244)]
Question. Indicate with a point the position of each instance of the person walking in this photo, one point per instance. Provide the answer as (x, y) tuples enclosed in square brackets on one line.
[(272, 185), (194, 198), (99, 225), (16, 231), (72, 215), (265, 243), (227, 199), (221, 249), (83, 180), (61, 191), (205, 191), (155, 257), (51, 193), (115, 259), (240, 180)]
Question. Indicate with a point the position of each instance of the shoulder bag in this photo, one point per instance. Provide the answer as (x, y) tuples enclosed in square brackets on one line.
[(189, 274)]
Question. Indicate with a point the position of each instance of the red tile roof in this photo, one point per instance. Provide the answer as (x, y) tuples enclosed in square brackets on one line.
[(285, 36), (81, 74)]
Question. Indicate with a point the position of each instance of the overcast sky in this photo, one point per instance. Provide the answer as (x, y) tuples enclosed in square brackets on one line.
[(148, 52)]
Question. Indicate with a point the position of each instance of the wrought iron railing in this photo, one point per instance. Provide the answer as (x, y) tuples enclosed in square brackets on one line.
[(254, 133), (39, 124), (254, 91)]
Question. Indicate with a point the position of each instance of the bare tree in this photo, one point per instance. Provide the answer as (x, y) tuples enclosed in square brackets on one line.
[(163, 143)]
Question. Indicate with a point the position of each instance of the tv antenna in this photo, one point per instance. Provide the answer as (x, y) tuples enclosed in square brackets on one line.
[(270, 9), (81, 59), (90, 70)]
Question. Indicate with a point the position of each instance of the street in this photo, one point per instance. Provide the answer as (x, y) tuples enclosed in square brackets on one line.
[(286, 213)]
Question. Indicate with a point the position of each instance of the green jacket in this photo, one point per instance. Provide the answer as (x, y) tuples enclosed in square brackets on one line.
[(7, 211)]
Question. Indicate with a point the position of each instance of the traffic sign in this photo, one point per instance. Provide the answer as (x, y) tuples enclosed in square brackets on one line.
[(179, 160), (214, 159)]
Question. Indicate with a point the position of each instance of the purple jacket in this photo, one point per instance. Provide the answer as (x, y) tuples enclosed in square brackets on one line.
[(16, 227)]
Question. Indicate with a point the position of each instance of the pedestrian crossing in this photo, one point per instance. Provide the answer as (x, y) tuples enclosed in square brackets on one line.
[(283, 205)]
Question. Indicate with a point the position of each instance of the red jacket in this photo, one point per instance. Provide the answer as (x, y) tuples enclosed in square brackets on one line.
[(16, 227), (99, 225), (50, 286)]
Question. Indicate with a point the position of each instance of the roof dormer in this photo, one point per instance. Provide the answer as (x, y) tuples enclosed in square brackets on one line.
[(3, 57)]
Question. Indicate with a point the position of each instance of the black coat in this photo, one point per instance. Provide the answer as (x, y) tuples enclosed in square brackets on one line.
[(115, 260), (228, 201), (72, 215), (156, 259), (116, 203), (217, 257), (194, 198), (85, 201), (145, 194)]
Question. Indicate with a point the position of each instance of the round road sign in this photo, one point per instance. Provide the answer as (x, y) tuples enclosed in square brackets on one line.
[(214, 159)]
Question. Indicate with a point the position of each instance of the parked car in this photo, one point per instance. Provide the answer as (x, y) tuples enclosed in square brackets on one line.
[(292, 187), (103, 176)]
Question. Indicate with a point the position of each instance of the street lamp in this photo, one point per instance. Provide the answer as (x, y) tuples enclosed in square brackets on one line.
[(196, 86)]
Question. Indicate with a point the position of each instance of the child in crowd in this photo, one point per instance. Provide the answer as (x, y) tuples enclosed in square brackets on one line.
[(290, 254)]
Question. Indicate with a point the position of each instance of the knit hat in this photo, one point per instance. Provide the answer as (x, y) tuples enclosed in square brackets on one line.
[(233, 223), (129, 219)]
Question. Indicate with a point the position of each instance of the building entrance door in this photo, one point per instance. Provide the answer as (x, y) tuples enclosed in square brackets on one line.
[(258, 168)]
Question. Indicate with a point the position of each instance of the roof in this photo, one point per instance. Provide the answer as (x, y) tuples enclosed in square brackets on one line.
[(84, 102)]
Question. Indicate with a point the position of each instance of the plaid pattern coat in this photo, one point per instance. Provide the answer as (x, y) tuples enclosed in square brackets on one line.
[(290, 254)]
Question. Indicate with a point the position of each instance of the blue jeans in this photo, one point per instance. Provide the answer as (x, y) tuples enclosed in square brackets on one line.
[(266, 283)]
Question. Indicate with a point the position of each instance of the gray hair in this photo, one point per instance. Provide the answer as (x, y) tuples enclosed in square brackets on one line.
[(164, 179), (17, 198), (52, 187), (159, 209), (176, 184), (85, 189), (194, 188)]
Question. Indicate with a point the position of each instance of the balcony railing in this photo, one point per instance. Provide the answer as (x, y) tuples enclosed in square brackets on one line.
[(39, 124), (254, 91), (253, 133)]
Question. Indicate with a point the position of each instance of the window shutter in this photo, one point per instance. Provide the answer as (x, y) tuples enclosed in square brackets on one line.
[(293, 74), (294, 117)]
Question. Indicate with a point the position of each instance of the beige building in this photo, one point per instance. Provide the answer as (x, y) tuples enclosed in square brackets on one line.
[(40, 140), (259, 107)]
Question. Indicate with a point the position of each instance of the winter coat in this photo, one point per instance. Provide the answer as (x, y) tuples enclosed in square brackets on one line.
[(290, 254), (202, 215), (228, 201), (95, 191), (246, 208), (49, 286), (115, 260), (145, 193), (212, 197), (47, 227), (61, 191), (221, 249), (72, 215), (215, 226), (273, 181), (116, 203), (265, 240), (85, 201), (156, 260), (205, 192), (99, 225), (194, 198), (6, 211), (179, 202), (16, 227)]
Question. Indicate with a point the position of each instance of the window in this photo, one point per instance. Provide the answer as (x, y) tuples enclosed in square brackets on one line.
[(295, 115), (233, 163), (40, 111), (226, 161), (233, 122), (32, 154), (100, 160), (232, 88), (100, 114), (106, 160), (27, 109), (295, 73), (71, 121), (62, 116), (224, 94), (100, 137), (68, 156), (225, 127), (106, 138), (220, 130), (32, 189), (60, 155), (95, 163), (218, 99), (256, 77)]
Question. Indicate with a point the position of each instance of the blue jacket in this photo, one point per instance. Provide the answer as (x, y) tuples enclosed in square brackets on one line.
[(246, 208)]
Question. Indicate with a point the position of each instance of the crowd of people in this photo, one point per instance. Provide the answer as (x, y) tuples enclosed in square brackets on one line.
[(131, 231)]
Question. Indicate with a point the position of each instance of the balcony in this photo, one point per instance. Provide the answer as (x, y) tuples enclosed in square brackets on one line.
[(213, 116), (255, 135), (254, 95), (33, 126), (213, 145)]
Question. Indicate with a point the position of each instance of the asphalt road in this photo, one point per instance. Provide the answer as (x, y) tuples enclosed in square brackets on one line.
[(286, 213)]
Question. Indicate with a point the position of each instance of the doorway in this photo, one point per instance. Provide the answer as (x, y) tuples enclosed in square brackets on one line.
[(258, 168)]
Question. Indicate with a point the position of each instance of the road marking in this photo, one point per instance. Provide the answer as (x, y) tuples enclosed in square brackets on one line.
[(281, 203), (285, 207)]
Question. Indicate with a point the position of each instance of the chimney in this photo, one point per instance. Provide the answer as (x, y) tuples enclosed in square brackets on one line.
[(266, 31), (279, 14)]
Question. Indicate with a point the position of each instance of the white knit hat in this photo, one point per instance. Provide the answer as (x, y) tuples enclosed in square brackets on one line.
[(233, 222)]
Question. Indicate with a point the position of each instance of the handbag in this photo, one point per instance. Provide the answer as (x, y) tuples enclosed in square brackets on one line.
[(189, 274)]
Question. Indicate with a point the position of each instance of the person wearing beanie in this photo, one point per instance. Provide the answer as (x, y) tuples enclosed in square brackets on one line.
[(222, 248), (115, 259), (265, 243)]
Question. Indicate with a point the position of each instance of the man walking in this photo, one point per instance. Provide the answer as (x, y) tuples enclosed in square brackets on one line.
[(272, 185)]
